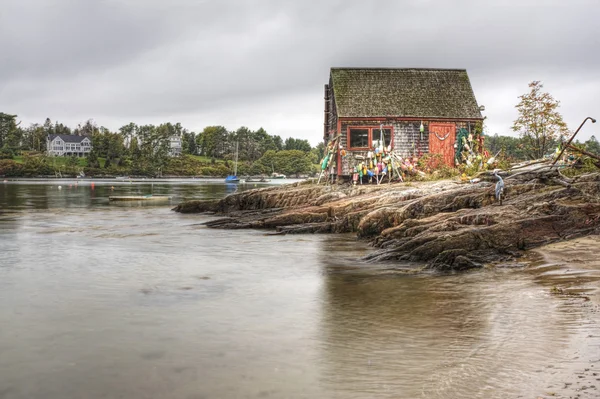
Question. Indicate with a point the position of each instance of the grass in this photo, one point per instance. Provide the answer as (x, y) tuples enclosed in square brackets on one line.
[(63, 161), (58, 161), (202, 158)]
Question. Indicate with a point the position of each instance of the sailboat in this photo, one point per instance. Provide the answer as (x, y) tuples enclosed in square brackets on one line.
[(276, 175), (233, 178)]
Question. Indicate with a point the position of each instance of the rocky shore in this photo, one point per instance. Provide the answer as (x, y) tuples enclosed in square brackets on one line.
[(447, 225)]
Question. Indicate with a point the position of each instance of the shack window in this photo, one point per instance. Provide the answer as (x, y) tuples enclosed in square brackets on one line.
[(376, 135), (368, 136), (359, 138)]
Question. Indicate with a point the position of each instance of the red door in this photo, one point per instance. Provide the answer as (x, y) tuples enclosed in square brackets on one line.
[(441, 141)]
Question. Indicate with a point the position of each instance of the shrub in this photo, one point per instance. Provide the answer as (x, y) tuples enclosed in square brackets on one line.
[(10, 168)]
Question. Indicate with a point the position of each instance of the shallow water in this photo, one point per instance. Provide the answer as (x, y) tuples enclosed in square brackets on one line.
[(100, 300)]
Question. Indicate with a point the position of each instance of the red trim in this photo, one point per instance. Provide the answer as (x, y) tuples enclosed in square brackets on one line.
[(370, 136), (368, 129), (443, 124), (339, 155)]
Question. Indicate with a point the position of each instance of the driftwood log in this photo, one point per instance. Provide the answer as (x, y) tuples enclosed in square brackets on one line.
[(445, 225)]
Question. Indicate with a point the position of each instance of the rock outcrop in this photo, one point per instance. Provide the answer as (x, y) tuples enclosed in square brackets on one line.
[(446, 225)]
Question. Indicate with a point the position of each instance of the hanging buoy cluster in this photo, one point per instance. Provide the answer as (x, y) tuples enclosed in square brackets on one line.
[(328, 163), (381, 161), (470, 150)]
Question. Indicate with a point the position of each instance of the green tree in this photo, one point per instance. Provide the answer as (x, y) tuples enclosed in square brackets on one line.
[(34, 138), (592, 145), (48, 127), (115, 147), (72, 163), (539, 123), (214, 141), (128, 132), (89, 128), (188, 143), (265, 142), (134, 148), (10, 135), (511, 147), (59, 128), (292, 162), (297, 144), (92, 159), (318, 152), (278, 143)]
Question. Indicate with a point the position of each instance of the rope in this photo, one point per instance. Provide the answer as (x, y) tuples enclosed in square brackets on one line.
[(442, 138)]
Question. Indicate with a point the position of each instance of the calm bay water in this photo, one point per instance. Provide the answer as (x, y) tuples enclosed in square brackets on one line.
[(101, 300)]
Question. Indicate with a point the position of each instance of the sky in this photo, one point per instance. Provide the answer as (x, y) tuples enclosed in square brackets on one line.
[(263, 63)]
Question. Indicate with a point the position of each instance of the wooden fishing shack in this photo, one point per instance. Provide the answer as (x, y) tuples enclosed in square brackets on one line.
[(409, 111)]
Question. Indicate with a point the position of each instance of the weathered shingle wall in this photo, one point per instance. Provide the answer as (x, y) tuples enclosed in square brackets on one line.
[(333, 117), (407, 139)]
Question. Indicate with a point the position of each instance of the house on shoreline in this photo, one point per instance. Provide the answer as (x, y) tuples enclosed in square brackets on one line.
[(414, 111), (66, 145)]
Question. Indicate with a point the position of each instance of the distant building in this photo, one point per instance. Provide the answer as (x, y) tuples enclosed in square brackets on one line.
[(364, 104), (175, 147), (64, 145)]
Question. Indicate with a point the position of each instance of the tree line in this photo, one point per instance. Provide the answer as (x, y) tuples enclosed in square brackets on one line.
[(148, 149), (517, 148)]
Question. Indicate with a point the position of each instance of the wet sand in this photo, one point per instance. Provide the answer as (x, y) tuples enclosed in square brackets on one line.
[(571, 270)]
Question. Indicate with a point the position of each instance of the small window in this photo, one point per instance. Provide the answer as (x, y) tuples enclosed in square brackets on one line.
[(387, 135), (368, 136), (359, 138)]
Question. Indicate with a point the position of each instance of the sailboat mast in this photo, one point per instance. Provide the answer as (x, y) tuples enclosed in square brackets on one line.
[(236, 158)]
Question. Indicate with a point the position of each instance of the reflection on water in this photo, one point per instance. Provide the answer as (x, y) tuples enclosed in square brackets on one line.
[(139, 302), (69, 193)]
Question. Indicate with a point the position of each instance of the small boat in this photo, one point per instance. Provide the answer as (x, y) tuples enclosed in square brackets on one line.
[(148, 197), (233, 178), (122, 177), (257, 180), (276, 175)]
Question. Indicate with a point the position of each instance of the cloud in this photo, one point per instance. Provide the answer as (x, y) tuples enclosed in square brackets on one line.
[(264, 63)]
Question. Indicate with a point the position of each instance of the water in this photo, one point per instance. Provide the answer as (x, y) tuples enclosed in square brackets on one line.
[(100, 300)]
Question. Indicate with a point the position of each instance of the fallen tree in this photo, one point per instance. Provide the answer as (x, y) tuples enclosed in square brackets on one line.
[(446, 225)]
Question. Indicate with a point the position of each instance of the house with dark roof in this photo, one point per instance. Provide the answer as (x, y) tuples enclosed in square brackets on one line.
[(68, 145), (365, 105)]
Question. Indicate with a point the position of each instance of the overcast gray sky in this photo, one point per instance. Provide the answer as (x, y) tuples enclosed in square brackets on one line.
[(264, 63)]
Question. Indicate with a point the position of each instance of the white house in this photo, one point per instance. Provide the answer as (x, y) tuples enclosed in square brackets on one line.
[(175, 147), (62, 145)]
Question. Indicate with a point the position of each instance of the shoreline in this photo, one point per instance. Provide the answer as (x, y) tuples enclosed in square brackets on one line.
[(448, 225)]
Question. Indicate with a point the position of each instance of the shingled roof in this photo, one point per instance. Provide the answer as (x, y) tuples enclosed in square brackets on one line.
[(404, 92), (67, 138)]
